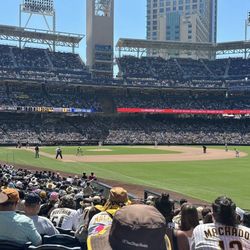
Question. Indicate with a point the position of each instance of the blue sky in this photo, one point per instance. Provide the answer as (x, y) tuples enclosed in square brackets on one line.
[(130, 18)]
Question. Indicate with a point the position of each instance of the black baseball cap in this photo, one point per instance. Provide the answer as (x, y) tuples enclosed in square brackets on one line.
[(32, 198)]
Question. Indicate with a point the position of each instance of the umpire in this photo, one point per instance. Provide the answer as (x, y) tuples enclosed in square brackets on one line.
[(59, 152)]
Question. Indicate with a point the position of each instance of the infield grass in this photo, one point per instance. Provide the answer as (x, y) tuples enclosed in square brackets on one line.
[(199, 179)]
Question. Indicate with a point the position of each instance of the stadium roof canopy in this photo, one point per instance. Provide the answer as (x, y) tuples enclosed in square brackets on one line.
[(141, 46), (27, 35)]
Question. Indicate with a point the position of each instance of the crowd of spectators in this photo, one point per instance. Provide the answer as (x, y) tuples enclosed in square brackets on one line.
[(126, 129), (78, 96), (45, 207), (182, 72), (42, 95), (181, 100), (41, 65)]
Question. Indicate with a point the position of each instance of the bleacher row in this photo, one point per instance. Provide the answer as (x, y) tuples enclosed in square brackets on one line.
[(183, 68), (42, 65)]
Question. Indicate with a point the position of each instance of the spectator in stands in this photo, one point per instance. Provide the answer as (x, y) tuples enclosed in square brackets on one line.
[(88, 190), (50, 205), (206, 215), (177, 238), (189, 220), (118, 198), (64, 216), (224, 233), (133, 227), (92, 176), (15, 227), (31, 207), (84, 176)]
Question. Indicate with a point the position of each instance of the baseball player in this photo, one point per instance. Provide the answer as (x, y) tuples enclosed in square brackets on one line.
[(237, 153), (224, 233)]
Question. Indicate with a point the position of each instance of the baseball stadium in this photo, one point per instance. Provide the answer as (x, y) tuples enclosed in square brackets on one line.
[(166, 117)]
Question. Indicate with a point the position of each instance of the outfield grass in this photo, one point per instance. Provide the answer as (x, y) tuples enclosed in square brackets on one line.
[(200, 179), (111, 150)]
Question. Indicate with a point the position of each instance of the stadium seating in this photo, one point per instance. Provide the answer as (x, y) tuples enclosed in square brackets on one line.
[(53, 247), (61, 239), (10, 245), (41, 65)]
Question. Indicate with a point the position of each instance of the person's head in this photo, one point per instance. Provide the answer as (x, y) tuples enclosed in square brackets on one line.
[(133, 227), (9, 198), (208, 218), (67, 201), (224, 211), (118, 196), (32, 203), (189, 217), (182, 201), (165, 206), (53, 198)]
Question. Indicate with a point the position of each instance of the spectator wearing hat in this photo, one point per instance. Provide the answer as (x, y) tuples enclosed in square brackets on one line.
[(88, 190), (49, 206), (118, 198), (133, 227), (31, 208), (15, 227), (64, 216)]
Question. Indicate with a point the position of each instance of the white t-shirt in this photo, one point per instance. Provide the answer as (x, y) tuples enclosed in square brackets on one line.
[(43, 225), (215, 236)]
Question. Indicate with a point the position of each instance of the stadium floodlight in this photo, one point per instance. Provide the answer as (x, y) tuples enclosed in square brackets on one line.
[(44, 7)]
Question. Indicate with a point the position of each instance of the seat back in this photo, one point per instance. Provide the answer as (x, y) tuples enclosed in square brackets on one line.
[(61, 239), (53, 247), (10, 245), (64, 231)]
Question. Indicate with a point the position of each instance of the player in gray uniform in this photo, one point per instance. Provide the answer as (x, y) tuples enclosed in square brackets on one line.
[(224, 233)]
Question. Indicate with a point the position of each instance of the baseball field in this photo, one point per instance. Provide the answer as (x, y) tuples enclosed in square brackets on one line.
[(186, 170)]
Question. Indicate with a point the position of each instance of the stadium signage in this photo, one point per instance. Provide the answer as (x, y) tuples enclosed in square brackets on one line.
[(45, 109), (184, 111)]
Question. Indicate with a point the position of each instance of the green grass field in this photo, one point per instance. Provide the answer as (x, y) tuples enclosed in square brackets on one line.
[(200, 179)]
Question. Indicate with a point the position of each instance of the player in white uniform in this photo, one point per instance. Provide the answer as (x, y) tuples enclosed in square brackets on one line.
[(224, 234)]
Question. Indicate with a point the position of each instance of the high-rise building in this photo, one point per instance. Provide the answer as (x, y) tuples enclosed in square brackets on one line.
[(100, 36), (182, 20)]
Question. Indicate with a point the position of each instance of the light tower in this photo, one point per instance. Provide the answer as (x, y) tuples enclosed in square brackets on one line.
[(247, 24), (44, 8), (100, 36)]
